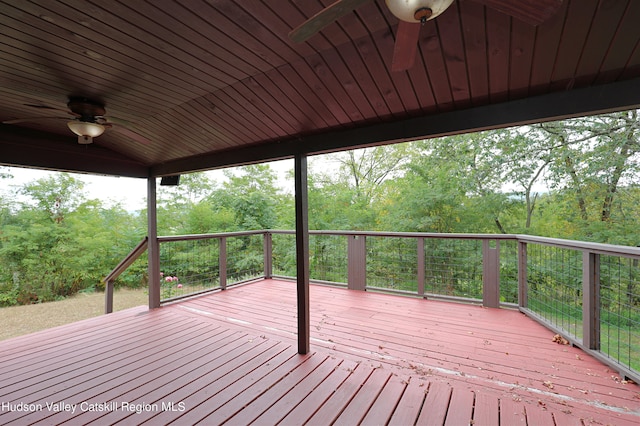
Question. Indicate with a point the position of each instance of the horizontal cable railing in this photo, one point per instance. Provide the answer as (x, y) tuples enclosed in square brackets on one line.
[(193, 264), (587, 292)]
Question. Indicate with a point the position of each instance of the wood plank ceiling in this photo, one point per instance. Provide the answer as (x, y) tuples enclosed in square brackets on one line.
[(210, 83)]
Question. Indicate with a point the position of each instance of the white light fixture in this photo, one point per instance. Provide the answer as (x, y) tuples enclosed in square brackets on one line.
[(85, 130), (415, 11)]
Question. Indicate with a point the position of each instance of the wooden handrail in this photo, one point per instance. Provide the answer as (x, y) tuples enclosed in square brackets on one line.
[(119, 269)]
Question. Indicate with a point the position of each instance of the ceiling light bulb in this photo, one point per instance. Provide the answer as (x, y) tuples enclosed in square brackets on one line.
[(86, 128), (414, 10)]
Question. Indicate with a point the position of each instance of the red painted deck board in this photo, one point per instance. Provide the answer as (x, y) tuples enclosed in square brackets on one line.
[(305, 410), (410, 404), (377, 359), (334, 406), (486, 410), (461, 407), (362, 402), (436, 405)]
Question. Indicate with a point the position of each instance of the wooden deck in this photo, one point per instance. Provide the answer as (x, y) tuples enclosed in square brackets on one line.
[(230, 357)]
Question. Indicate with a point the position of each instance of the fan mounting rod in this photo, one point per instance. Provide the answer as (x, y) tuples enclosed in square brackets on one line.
[(86, 109)]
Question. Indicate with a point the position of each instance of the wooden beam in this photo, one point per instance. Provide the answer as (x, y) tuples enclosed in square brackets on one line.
[(302, 252), (41, 150), (553, 106)]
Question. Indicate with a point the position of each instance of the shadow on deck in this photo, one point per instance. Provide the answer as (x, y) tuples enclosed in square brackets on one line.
[(231, 357)]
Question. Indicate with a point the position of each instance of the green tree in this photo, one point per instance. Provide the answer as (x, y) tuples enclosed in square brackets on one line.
[(55, 196), (594, 157), (251, 193)]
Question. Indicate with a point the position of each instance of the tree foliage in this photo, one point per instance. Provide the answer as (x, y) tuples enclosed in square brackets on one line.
[(573, 179)]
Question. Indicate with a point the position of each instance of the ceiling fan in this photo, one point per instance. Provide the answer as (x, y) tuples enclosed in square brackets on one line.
[(413, 13), (89, 122)]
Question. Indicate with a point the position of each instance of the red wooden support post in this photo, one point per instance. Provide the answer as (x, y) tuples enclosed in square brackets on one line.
[(268, 254), (591, 300), (302, 253), (222, 262), (356, 262), (491, 273), (153, 249)]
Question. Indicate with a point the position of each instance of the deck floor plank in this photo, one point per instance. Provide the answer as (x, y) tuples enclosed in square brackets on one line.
[(295, 394), (410, 404), (562, 418), (377, 358), (219, 357), (79, 332), (436, 405), (92, 372), (386, 403), (461, 407), (111, 381), (318, 397), (513, 413), (486, 409), (58, 355), (362, 402), (334, 406), (253, 404), (530, 361), (539, 416), (207, 394), (253, 391)]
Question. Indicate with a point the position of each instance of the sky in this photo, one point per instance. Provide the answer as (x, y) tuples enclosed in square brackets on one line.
[(132, 192)]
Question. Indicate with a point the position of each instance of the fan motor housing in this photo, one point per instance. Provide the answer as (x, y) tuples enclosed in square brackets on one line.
[(86, 109)]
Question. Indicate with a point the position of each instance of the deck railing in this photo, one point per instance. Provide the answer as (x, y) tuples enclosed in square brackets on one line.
[(589, 293)]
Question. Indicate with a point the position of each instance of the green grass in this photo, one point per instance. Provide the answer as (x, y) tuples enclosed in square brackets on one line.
[(618, 340), (25, 319)]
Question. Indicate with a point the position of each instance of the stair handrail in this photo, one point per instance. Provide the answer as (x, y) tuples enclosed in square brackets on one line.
[(119, 269)]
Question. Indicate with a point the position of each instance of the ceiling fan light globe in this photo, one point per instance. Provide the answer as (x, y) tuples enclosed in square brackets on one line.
[(405, 10), (86, 128)]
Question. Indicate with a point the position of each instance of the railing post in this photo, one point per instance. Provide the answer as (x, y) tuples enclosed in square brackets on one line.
[(591, 300), (357, 262), (268, 254), (108, 297), (523, 289), (491, 274), (421, 267), (222, 262)]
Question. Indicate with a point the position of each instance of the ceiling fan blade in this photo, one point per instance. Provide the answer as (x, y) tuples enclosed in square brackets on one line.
[(323, 18), (129, 133), (406, 47), (533, 12), (32, 119)]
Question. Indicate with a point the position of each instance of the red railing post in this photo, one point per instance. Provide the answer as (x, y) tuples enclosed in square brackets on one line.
[(491, 273), (108, 297), (268, 254), (421, 266), (222, 262), (357, 262), (523, 289), (590, 300)]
